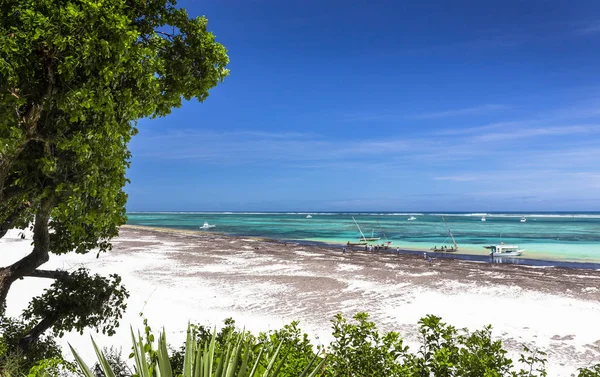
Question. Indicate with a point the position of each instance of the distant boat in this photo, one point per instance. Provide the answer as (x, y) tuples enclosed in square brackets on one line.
[(483, 218), (387, 242), (503, 250), (412, 218), (523, 219), (207, 225), (308, 216), (363, 238), (445, 248), (356, 244)]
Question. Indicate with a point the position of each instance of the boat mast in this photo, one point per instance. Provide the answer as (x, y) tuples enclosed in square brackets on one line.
[(361, 233), (449, 231), (381, 230)]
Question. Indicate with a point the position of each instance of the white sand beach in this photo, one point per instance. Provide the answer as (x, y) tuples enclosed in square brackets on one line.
[(176, 277)]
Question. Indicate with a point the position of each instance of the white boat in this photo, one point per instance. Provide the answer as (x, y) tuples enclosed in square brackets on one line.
[(503, 250), (207, 225), (412, 218), (523, 219), (308, 216), (483, 218), (363, 238)]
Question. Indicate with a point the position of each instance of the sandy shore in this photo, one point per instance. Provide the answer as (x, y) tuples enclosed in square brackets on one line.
[(177, 276)]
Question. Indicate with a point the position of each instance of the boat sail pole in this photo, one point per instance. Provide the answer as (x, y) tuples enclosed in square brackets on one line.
[(381, 230), (361, 233), (449, 231)]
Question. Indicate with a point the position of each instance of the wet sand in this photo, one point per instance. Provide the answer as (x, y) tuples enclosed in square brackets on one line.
[(202, 249), (526, 305)]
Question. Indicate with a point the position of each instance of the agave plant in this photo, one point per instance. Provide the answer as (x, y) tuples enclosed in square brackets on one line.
[(237, 359)]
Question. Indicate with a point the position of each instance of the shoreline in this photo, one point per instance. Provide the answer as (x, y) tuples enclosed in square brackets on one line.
[(461, 255)]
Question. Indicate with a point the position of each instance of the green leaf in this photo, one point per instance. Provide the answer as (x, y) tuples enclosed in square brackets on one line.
[(82, 366), (106, 368)]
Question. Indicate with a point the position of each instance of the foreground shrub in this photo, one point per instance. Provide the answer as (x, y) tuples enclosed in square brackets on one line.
[(239, 356), (590, 372), (43, 358), (357, 350)]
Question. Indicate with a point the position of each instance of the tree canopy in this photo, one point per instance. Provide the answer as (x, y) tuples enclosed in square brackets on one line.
[(75, 77)]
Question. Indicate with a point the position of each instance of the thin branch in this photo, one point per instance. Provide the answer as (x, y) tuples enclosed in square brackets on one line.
[(170, 36), (48, 274)]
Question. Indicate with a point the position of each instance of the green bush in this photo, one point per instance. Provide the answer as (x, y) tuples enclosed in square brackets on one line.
[(593, 371), (42, 358), (358, 349), (239, 355)]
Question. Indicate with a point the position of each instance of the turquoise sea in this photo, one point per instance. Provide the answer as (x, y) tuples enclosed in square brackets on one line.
[(569, 237)]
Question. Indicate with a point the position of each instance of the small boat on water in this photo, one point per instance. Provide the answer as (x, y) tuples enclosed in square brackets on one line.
[(523, 219), (503, 250), (369, 239), (446, 249), (207, 225), (356, 244), (412, 218), (483, 218), (308, 216)]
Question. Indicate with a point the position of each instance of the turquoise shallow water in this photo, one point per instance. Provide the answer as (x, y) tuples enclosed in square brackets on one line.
[(551, 236)]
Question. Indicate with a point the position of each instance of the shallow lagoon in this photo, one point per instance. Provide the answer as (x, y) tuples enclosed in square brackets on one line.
[(550, 236)]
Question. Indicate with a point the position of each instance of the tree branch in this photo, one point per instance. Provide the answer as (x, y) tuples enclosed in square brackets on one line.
[(48, 274), (35, 332), (170, 36), (39, 255)]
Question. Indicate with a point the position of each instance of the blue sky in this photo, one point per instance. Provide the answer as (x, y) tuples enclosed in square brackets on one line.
[(385, 106)]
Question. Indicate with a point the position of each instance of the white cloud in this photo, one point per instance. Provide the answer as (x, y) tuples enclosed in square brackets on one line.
[(591, 28), (539, 131), (477, 110)]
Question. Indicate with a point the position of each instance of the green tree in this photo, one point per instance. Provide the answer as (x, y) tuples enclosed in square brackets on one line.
[(75, 76)]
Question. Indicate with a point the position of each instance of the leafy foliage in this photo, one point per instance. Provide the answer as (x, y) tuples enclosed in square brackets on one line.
[(55, 367), (79, 301), (115, 359), (593, 371), (296, 348), (12, 331), (75, 77), (357, 350), (43, 359), (445, 352), (240, 356)]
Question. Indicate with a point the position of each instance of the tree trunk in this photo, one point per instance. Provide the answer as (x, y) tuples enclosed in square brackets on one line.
[(39, 255)]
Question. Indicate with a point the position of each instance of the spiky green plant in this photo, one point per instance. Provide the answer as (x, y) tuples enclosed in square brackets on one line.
[(239, 357)]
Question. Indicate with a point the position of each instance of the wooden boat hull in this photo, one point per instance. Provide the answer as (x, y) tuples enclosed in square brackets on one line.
[(437, 250)]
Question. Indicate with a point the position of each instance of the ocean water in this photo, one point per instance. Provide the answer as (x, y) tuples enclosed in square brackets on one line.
[(569, 237)]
